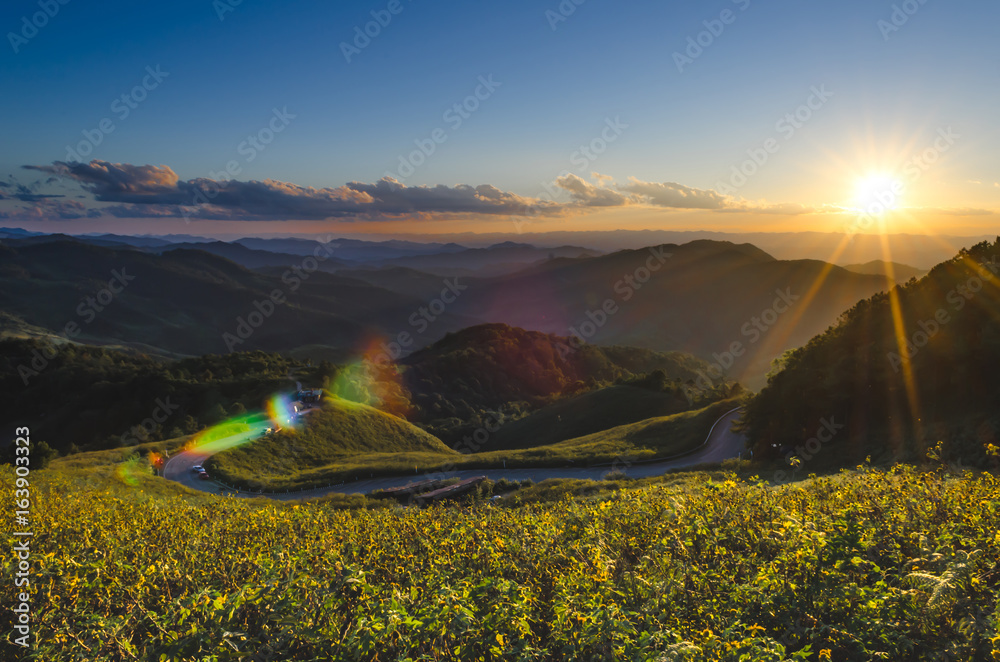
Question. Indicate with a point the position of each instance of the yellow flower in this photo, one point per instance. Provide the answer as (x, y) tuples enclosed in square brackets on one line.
[(825, 654)]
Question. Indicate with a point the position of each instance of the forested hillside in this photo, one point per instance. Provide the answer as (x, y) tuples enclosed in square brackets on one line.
[(901, 371)]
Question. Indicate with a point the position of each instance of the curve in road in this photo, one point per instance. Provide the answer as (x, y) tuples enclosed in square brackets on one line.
[(720, 444)]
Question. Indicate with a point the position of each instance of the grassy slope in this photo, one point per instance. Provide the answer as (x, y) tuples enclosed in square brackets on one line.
[(584, 414), (340, 430), (122, 471), (277, 468)]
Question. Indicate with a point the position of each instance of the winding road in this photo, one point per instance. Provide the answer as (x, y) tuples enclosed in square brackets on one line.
[(720, 444)]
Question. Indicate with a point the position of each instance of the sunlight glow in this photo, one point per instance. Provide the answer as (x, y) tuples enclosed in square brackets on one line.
[(877, 193)]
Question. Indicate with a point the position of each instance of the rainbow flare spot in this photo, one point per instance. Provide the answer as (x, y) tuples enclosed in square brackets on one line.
[(281, 412)]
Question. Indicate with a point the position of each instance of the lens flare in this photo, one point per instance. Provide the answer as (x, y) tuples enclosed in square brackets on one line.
[(225, 435), (374, 380), (282, 412)]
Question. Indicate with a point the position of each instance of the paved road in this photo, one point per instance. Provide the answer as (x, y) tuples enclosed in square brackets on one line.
[(721, 444), (179, 467)]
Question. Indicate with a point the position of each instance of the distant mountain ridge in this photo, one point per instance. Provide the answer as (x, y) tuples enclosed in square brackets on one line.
[(191, 302), (900, 272), (703, 298)]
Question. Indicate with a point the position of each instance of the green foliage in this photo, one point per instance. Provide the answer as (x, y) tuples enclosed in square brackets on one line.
[(896, 565), (99, 398)]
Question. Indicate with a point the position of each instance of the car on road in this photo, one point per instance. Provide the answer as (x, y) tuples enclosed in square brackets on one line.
[(197, 469), (203, 475)]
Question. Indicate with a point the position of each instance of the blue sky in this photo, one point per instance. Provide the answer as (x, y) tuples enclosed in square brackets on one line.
[(557, 90)]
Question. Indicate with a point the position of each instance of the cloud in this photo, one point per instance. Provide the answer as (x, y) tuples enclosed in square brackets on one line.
[(25, 192), (156, 191), (959, 211), (141, 186), (48, 209), (584, 193), (118, 182), (668, 195), (675, 196)]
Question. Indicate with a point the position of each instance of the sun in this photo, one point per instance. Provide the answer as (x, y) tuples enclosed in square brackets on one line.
[(877, 193)]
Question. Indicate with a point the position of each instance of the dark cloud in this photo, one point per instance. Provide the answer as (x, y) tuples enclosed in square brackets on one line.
[(25, 192), (136, 186), (48, 209)]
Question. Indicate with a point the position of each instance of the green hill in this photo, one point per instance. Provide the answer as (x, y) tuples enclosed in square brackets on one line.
[(458, 382), (336, 432), (348, 442), (900, 372)]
